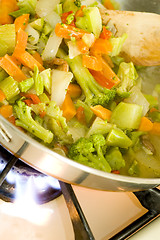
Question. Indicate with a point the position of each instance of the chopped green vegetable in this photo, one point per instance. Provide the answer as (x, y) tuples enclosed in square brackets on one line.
[(127, 115), (8, 38), (118, 138), (26, 84), (115, 159), (94, 93), (91, 21), (90, 152), (26, 121), (10, 87), (127, 73)]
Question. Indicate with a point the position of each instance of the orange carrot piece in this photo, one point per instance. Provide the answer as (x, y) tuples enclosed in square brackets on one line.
[(11, 68), (145, 125), (105, 34), (108, 4), (74, 90), (68, 108), (21, 22), (115, 171), (29, 102), (64, 18), (6, 7), (35, 99), (102, 112), (42, 114), (92, 62), (12, 120), (101, 79), (156, 129), (67, 31), (80, 115), (37, 56), (28, 60), (2, 95), (6, 111), (21, 42), (109, 73), (82, 46), (79, 12), (101, 46)]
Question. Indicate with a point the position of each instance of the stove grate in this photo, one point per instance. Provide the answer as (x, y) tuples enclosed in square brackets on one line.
[(150, 199)]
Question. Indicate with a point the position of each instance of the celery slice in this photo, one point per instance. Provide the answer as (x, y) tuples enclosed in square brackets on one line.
[(38, 81), (8, 35), (3, 48), (3, 74), (26, 84), (10, 87)]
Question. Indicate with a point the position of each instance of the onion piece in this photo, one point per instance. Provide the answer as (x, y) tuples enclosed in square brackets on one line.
[(33, 35), (137, 97), (60, 82), (51, 47), (44, 7)]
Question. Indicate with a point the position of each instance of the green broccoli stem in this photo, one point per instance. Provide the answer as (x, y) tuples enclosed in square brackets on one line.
[(104, 162), (99, 162), (95, 94), (82, 74), (26, 121)]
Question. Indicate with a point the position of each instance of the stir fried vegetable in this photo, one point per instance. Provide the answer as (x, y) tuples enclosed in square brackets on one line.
[(64, 82)]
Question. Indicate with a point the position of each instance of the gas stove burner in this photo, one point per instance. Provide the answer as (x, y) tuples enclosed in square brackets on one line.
[(44, 188)]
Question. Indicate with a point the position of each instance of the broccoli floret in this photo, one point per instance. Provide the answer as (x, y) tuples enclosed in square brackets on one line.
[(128, 75), (94, 93), (25, 120), (90, 151)]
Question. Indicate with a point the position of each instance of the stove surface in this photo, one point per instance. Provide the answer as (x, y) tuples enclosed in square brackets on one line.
[(106, 213)]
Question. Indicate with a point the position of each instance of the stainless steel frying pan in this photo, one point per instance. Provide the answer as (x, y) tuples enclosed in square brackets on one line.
[(51, 163)]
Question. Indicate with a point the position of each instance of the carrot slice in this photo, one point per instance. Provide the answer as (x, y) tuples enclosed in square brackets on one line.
[(81, 115), (155, 129), (74, 90), (6, 111), (35, 99), (92, 62), (11, 68), (101, 79), (109, 73), (67, 31), (21, 42), (145, 125), (65, 16), (28, 60), (37, 56), (108, 4), (102, 112), (2, 95), (29, 102), (68, 108), (101, 46), (105, 34), (12, 120), (21, 22), (82, 46), (6, 7)]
